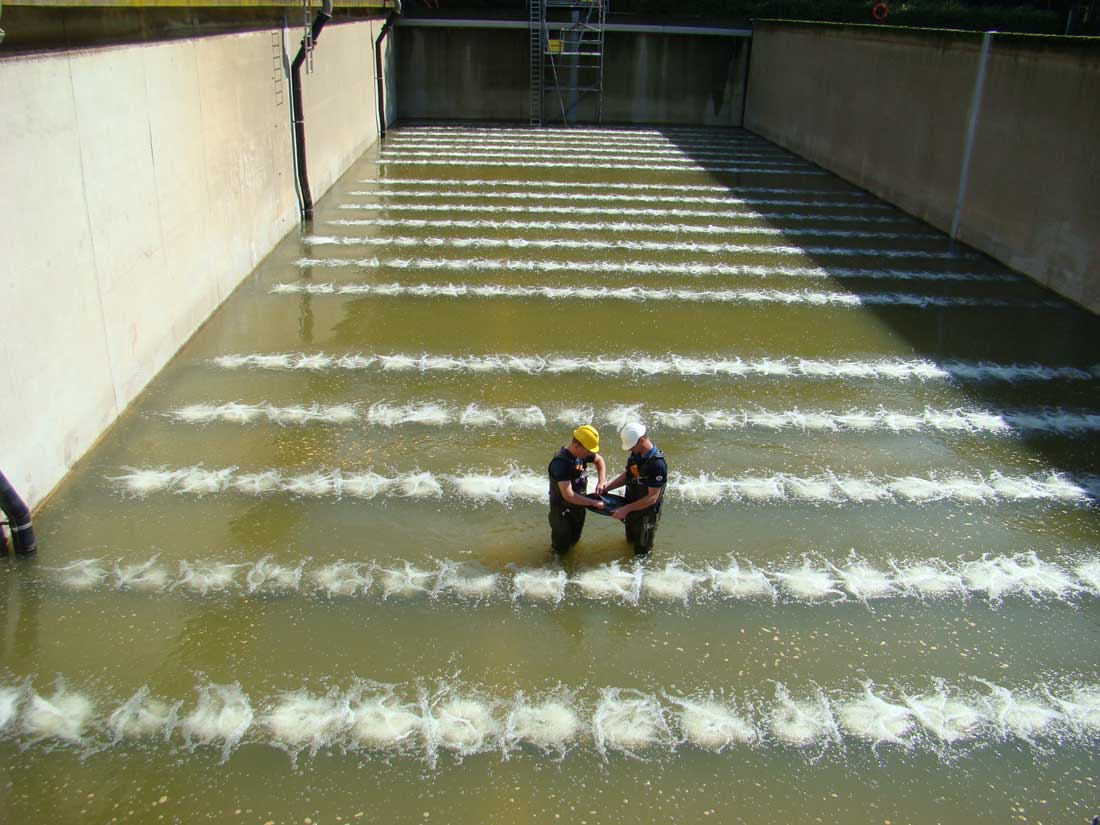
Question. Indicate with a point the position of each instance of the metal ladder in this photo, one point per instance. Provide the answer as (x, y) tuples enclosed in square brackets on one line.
[(535, 10), (573, 42)]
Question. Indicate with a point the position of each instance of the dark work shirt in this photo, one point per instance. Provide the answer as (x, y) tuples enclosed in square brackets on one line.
[(564, 466), (643, 472)]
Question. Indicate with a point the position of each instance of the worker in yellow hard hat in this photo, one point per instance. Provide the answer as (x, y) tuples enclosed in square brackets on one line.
[(569, 484)]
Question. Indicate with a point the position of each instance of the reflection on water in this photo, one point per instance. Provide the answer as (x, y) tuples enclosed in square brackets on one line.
[(308, 574)]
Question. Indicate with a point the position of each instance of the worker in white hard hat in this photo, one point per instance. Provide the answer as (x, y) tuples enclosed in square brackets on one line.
[(569, 486), (645, 478)]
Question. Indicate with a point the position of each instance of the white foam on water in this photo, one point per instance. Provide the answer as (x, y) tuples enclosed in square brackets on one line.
[(827, 487), (342, 578), (863, 581), (733, 212), (258, 484), (539, 585), (739, 583), (874, 719), (387, 415), (1081, 709), (530, 188), (300, 414), (483, 486), (610, 581), (550, 724), (752, 167), (142, 716), (207, 577), (713, 725), (634, 293), (946, 717), (222, 716), (674, 158), (802, 722), (266, 576), (1037, 578), (509, 149), (405, 581), (299, 721), (199, 481), (1089, 574), (11, 699), (733, 205), (365, 485), (65, 716), (464, 725), (150, 480), (807, 582), (418, 485), (696, 269), (381, 721), (530, 416), (311, 485), (895, 370), (628, 721), (672, 582), (928, 579), (703, 489), (85, 574), (465, 580), (147, 576), (606, 226), (1019, 715), (477, 416), (697, 247)]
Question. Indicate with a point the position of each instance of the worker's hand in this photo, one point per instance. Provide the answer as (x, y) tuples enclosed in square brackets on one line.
[(601, 488), (620, 514), (597, 504)]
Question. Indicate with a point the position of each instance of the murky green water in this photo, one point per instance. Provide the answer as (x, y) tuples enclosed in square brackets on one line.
[(790, 663)]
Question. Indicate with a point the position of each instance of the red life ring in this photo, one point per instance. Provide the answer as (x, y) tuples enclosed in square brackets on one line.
[(880, 11)]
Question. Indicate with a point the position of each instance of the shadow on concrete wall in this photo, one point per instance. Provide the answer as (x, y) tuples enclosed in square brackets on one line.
[(1064, 335)]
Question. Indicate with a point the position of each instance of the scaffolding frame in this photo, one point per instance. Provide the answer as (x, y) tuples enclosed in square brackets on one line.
[(567, 56)]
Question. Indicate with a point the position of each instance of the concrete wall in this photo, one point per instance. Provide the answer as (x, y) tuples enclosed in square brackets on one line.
[(142, 184), (483, 74), (888, 109)]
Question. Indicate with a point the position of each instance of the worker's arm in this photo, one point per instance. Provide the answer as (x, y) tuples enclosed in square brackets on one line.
[(601, 473), (651, 498), (581, 501), (617, 481)]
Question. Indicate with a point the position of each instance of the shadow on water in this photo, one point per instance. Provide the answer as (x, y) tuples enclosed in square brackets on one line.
[(1064, 335)]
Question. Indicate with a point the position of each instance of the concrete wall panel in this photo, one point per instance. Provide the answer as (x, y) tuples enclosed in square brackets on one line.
[(1032, 199), (483, 74), (151, 180), (888, 109)]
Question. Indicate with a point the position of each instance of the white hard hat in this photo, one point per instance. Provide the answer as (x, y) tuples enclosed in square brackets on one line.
[(631, 434)]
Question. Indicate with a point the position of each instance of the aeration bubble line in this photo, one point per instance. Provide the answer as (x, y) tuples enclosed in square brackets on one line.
[(725, 296), (695, 269), (816, 580), (428, 722), (434, 413), (896, 369), (478, 487)]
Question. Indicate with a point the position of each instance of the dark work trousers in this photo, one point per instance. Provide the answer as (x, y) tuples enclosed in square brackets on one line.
[(641, 529), (566, 523)]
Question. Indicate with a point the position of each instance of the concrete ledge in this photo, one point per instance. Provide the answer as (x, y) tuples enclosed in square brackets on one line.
[(453, 23)]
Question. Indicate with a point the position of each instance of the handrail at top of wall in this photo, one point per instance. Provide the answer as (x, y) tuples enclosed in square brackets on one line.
[(449, 23)]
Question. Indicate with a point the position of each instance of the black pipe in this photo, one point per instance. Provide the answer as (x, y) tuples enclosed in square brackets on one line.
[(19, 519), (378, 72), (323, 16)]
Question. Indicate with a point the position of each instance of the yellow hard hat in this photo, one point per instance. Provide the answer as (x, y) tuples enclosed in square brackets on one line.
[(588, 437)]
